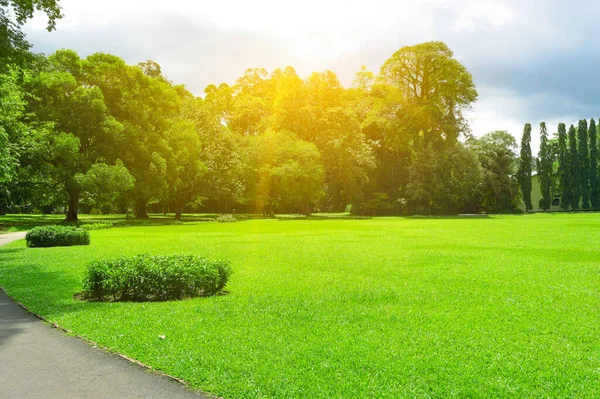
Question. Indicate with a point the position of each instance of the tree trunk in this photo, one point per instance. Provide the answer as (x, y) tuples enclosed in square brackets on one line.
[(72, 208), (178, 210), (141, 209)]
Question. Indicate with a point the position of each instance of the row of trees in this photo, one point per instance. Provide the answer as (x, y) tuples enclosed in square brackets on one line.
[(567, 167), (96, 133)]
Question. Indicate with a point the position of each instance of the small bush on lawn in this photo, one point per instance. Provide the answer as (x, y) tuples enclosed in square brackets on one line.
[(226, 219), (96, 226), (155, 278), (56, 236)]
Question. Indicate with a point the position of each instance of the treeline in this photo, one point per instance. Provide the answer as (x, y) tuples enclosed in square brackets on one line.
[(96, 134), (567, 167)]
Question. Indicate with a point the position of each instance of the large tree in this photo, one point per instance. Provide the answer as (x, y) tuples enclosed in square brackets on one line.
[(84, 132), (525, 161), (584, 159), (145, 106), (544, 168), (564, 169), (594, 183), (434, 90), (575, 169)]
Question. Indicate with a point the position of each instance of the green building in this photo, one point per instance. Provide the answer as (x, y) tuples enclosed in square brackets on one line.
[(536, 195)]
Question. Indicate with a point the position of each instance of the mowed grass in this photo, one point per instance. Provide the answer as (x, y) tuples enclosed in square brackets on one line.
[(379, 308)]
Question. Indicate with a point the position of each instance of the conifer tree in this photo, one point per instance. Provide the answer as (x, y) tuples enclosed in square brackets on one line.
[(584, 159), (524, 173), (594, 186), (544, 168), (564, 169), (575, 169)]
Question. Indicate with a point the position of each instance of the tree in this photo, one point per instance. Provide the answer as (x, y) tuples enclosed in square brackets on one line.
[(584, 159), (104, 185), (184, 168), (435, 89), (14, 49), (84, 130), (564, 169), (145, 106), (289, 173), (594, 183), (524, 173), (498, 159), (575, 169), (544, 168), (12, 108)]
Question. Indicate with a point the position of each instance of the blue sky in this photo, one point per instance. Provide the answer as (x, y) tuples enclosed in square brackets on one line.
[(532, 60)]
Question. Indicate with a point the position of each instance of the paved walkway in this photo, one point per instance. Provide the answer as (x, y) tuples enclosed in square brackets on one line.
[(39, 361)]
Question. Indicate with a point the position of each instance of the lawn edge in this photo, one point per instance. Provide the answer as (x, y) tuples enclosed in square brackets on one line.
[(88, 341)]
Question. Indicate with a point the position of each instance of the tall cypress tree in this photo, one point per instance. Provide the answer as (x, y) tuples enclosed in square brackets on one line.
[(584, 159), (575, 167), (594, 184), (544, 168), (564, 169), (524, 173)]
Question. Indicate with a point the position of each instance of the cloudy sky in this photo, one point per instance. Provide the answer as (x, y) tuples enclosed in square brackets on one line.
[(532, 61)]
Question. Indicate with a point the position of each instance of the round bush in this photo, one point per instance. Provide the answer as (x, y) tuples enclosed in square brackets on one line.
[(154, 278), (56, 236)]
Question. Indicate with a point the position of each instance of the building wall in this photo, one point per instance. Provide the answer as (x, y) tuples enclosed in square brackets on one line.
[(536, 194)]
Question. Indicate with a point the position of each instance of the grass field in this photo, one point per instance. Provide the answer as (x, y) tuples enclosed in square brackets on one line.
[(504, 306)]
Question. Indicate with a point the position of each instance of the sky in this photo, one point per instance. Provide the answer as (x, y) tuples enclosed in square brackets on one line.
[(531, 60)]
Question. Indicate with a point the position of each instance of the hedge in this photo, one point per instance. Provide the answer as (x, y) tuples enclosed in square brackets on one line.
[(154, 278), (56, 236)]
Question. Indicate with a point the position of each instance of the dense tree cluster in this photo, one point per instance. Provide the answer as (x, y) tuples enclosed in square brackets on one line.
[(94, 133), (567, 166)]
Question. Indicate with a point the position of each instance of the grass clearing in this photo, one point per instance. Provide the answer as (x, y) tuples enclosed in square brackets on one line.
[(505, 306)]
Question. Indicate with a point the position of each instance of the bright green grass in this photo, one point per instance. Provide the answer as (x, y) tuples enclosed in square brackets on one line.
[(380, 308)]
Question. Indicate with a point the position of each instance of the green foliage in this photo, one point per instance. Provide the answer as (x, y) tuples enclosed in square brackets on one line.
[(575, 169), (525, 163), (104, 185), (594, 182), (444, 181), (12, 106), (544, 168), (564, 169), (496, 154), (155, 278), (434, 89), (14, 49), (584, 159), (227, 218), (56, 236), (289, 172), (378, 204), (95, 226)]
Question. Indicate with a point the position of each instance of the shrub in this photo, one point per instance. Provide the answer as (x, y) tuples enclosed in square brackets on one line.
[(155, 278), (56, 236), (96, 226), (226, 219)]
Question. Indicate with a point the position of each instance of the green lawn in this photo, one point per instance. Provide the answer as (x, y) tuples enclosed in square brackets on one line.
[(378, 308)]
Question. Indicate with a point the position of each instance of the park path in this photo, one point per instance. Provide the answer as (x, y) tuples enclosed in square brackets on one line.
[(39, 361)]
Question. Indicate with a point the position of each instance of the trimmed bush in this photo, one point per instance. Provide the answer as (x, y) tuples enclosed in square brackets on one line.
[(226, 219), (96, 226), (56, 236), (155, 278)]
